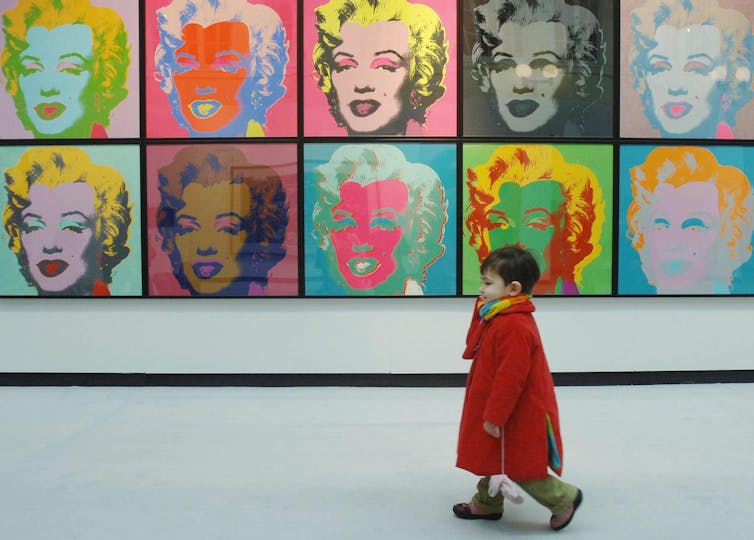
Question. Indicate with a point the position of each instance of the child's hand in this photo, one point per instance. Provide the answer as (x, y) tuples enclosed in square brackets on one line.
[(492, 429)]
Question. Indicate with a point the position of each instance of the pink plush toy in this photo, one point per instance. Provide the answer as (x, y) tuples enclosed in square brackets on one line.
[(500, 483)]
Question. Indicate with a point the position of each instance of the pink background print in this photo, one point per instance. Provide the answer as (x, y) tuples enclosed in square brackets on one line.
[(283, 277), (441, 116), (281, 116)]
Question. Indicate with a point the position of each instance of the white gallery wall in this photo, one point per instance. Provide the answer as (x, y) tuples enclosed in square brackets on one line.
[(372, 335)]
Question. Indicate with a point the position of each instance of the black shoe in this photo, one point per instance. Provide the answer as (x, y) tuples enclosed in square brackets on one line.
[(574, 506), (463, 511)]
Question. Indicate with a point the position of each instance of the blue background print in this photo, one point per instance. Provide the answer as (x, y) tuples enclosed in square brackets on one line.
[(631, 278), (441, 275)]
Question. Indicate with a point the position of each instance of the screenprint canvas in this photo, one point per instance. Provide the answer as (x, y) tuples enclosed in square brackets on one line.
[(70, 69), (222, 220), (380, 67), (221, 68), (686, 69), (555, 200), (538, 68), (686, 220), (379, 219), (71, 221)]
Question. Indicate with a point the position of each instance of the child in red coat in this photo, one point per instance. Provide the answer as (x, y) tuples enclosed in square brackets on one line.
[(510, 392)]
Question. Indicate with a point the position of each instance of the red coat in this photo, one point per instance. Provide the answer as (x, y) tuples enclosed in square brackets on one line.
[(510, 385)]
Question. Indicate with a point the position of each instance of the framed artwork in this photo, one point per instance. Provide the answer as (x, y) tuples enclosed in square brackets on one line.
[(686, 220), (379, 219), (70, 69), (538, 68), (222, 220), (686, 69), (380, 68), (71, 221), (221, 68), (555, 200), (267, 182)]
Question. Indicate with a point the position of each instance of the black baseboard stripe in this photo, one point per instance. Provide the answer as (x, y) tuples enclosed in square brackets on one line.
[(430, 380)]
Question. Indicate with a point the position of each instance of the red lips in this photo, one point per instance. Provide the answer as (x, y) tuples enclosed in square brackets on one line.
[(52, 267)]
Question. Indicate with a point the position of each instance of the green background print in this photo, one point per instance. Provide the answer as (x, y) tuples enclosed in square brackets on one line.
[(597, 275)]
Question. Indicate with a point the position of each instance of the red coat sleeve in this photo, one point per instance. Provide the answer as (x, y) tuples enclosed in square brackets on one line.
[(513, 349), (473, 335), (475, 318)]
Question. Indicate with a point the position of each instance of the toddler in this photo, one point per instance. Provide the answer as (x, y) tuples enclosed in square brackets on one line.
[(510, 395)]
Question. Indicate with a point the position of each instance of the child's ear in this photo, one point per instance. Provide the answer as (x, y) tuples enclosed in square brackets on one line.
[(515, 288)]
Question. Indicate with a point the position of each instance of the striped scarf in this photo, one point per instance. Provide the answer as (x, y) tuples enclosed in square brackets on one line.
[(490, 309)]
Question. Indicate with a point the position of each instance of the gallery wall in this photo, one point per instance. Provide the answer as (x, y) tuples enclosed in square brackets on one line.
[(365, 336), (251, 217)]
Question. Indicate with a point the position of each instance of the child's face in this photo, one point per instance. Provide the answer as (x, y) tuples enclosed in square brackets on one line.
[(493, 287)]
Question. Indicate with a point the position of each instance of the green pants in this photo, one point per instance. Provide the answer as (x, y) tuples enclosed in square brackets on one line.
[(550, 492)]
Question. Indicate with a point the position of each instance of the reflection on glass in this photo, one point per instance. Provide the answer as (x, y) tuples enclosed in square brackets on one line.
[(222, 220), (691, 63), (539, 63)]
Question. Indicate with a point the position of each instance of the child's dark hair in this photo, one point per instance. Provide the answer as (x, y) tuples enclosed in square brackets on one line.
[(513, 263)]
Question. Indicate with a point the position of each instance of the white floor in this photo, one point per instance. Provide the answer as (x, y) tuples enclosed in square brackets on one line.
[(654, 462)]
